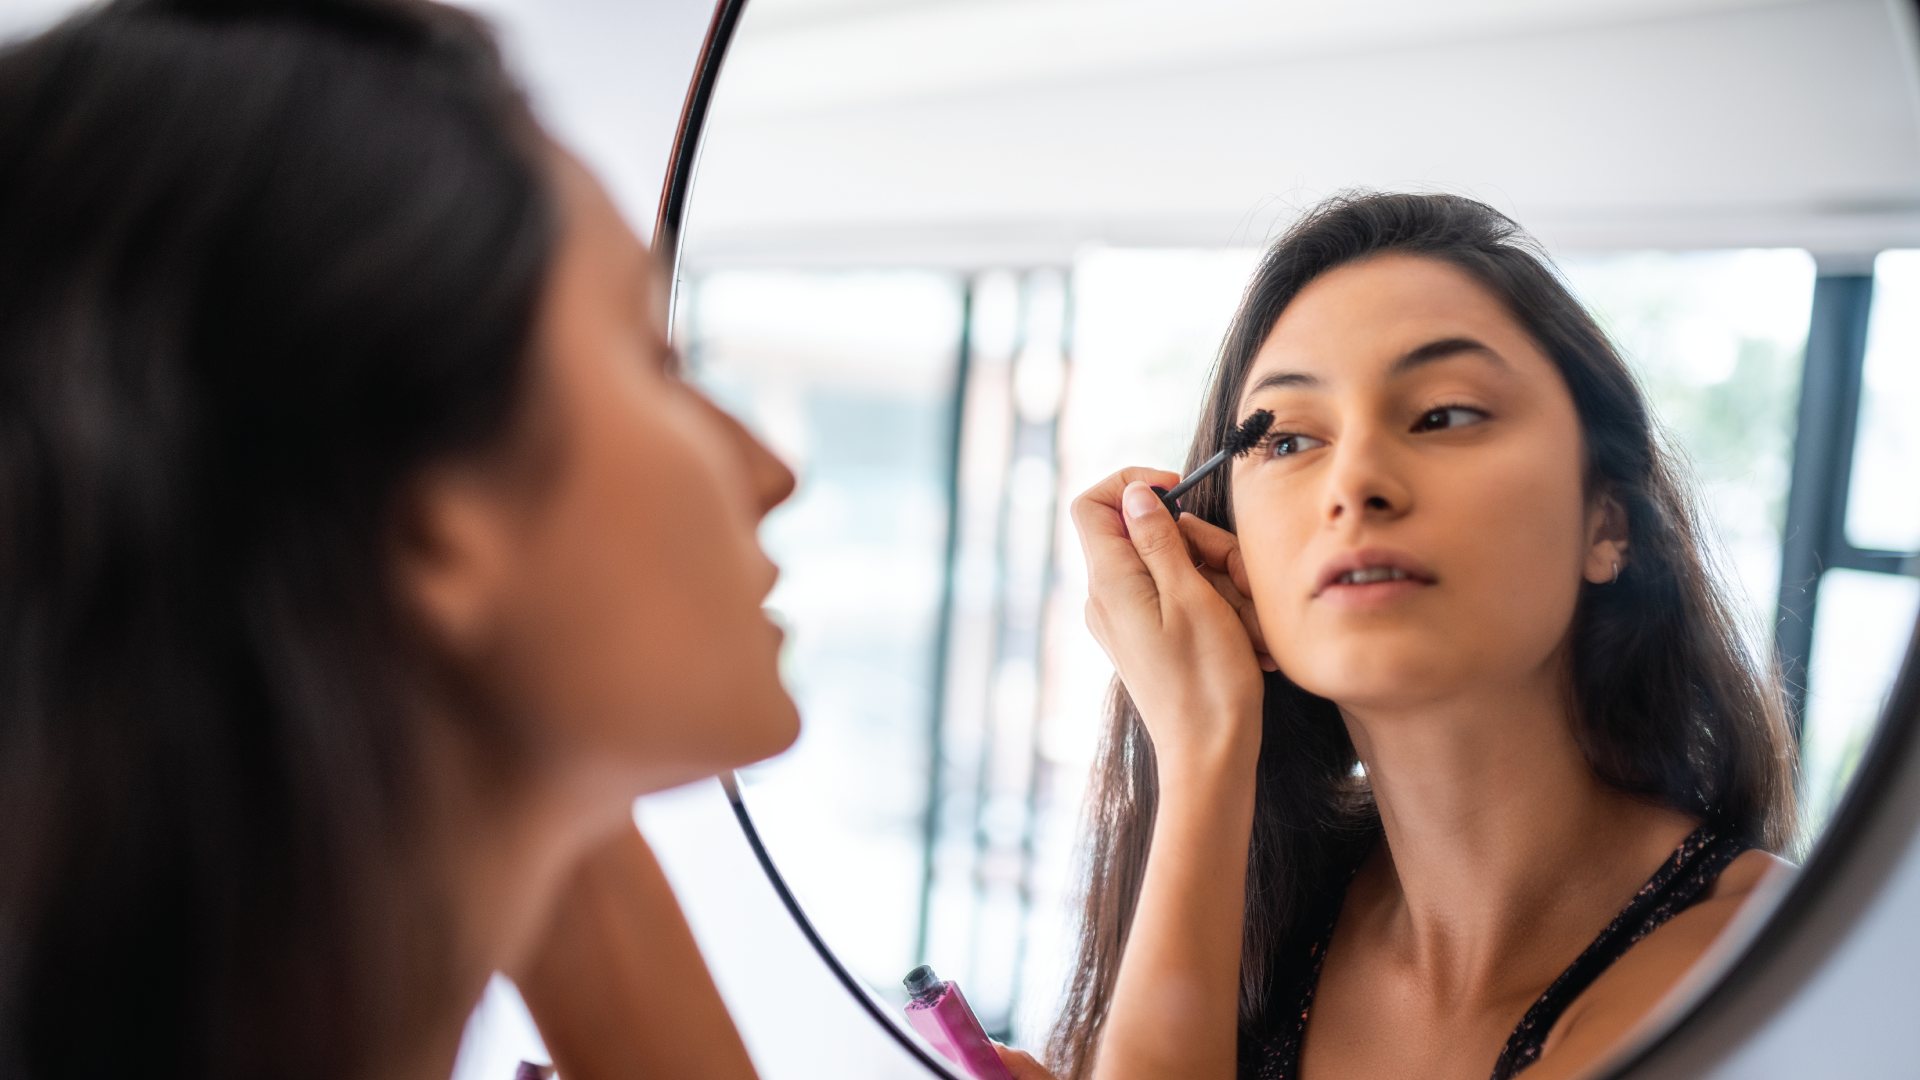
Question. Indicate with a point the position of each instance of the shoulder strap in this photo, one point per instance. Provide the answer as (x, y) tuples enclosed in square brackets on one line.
[(1686, 875)]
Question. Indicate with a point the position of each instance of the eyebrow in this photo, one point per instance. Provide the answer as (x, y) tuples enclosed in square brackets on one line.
[(1431, 352), (1434, 351)]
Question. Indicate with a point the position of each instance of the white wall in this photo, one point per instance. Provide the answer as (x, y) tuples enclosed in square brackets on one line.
[(1677, 125)]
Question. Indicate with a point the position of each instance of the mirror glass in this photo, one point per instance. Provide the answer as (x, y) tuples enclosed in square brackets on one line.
[(956, 261)]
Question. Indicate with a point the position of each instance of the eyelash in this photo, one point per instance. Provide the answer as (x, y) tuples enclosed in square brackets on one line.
[(1273, 443), (1479, 414), (1280, 439)]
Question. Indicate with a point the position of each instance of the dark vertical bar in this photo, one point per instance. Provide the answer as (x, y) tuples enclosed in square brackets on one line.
[(1815, 532), (943, 633)]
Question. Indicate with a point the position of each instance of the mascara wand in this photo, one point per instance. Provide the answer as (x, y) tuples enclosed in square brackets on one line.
[(1239, 441)]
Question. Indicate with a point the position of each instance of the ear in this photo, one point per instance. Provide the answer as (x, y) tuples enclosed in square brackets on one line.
[(1606, 540), (454, 558)]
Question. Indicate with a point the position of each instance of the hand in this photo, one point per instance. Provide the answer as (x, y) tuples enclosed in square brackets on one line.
[(1021, 1064), (1218, 552), (1168, 602)]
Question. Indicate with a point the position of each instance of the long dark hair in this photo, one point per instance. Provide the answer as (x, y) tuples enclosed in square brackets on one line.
[(260, 263), (1668, 702)]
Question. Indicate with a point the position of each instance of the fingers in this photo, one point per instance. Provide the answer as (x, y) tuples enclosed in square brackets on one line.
[(1156, 538), (1217, 548), (1242, 606), (1182, 652), (1102, 525), (1220, 563), (1021, 1064), (1138, 556)]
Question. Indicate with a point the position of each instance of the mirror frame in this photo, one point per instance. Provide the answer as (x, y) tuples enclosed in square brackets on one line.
[(879, 1011), (683, 163), (1873, 826)]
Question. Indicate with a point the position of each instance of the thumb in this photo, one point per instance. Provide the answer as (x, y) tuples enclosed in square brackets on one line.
[(1021, 1064), (1155, 536)]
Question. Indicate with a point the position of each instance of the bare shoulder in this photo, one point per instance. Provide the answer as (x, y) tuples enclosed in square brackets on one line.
[(1742, 875), (1630, 988)]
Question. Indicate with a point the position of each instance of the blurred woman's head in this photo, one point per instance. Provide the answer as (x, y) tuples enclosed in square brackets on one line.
[(352, 507)]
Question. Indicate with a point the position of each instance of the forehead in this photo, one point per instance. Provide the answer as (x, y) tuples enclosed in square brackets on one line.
[(1354, 321), (591, 224), (601, 271)]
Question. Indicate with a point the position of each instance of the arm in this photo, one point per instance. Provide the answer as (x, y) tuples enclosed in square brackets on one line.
[(1186, 645), (619, 989), (1175, 1009)]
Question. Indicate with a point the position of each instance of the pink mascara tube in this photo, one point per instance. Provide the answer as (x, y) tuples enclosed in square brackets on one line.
[(940, 1014)]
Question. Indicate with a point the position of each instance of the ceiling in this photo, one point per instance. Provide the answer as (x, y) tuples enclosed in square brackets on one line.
[(1015, 132), (983, 132)]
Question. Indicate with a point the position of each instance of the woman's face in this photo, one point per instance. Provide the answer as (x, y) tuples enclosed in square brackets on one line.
[(600, 577), (1416, 526)]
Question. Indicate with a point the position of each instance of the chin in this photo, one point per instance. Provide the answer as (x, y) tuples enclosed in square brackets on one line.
[(1371, 673), (758, 725), (714, 735), (782, 725)]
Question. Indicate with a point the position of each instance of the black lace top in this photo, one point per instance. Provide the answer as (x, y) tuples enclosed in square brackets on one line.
[(1683, 879)]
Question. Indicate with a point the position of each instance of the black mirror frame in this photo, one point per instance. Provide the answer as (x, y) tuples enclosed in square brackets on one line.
[(1872, 828), (682, 164)]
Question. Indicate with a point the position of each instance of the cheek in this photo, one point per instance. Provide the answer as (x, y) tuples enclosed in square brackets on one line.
[(1521, 571), (641, 634), (1277, 525), (1510, 537)]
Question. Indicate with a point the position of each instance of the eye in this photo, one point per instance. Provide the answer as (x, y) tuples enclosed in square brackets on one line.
[(1448, 416), (1286, 444)]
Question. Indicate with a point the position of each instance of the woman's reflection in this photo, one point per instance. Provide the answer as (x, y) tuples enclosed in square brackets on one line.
[(1508, 768)]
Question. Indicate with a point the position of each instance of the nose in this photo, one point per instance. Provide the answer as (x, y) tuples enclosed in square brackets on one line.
[(772, 480), (768, 477), (1363, 485)]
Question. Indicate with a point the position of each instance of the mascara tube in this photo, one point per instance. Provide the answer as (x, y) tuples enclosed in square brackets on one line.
[(939, 1012)]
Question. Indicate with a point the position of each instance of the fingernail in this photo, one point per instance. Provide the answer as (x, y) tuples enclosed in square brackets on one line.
[(1138, 499)]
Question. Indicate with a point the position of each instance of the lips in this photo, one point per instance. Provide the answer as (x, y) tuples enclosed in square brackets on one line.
[(1371, 575), (1372, 566)]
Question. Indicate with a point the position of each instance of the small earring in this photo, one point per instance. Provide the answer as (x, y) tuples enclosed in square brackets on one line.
[(1616, 572)]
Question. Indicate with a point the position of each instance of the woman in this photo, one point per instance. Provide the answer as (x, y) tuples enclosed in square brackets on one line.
[(1434, 750), (365, 557)]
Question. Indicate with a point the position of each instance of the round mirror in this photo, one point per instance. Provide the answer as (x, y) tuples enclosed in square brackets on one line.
[(957, 262)]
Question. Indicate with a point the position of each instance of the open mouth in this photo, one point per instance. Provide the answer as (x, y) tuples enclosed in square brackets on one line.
[(1371, 575)]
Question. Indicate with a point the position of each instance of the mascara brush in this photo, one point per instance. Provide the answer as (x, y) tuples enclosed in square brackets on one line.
[(1239, 441)]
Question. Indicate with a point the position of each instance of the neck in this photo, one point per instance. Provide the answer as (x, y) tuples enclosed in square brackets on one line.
[(1498, 833), (504, 842)]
